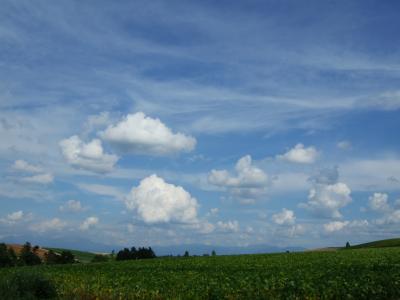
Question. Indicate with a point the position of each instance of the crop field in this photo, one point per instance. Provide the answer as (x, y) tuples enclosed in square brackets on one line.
[(345, 274)]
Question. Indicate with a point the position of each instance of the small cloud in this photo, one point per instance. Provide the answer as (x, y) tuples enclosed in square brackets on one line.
[(335, 226), (88, 156), (40, 178), (229, 226), (22, 165), (71, 206), (140, 134), (248, 183), (344, 145), (285, 217), (393, 179), (89, 223), (378, 202), (301, 155), (16, 217), (49, 225)]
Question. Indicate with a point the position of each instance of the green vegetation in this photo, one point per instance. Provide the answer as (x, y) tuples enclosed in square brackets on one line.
[(351, 274), (100, 258), (81, 256), (26, 284), (379, 244)]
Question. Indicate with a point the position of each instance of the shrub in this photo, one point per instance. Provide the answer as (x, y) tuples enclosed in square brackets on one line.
[(7, 256), (28, 257), (99, 258), (27, 285)]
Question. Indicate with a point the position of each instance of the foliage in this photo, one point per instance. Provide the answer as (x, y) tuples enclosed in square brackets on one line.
[(352, 274), (27, 285), (100, 258), (7, 256), (347, 245), (186, 254), (28, 255), (66, 257), (140, 253)]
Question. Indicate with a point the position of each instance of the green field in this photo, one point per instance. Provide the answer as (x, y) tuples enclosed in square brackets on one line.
[(351, 274), (379, 244)]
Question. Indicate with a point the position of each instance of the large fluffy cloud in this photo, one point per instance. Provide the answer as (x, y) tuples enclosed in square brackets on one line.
[(158, 201), (327, 195), (88, 156), (300, 154), (249, 183), (139, 134)]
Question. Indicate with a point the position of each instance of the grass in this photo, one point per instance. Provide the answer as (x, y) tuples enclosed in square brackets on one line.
[(353, 274), (379, 244)]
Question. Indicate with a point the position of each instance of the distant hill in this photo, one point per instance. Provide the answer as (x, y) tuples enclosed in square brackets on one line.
[(82, 256), (379, 244)]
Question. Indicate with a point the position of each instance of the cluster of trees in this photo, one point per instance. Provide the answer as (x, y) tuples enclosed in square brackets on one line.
[(28, 256), (66, 257), (133, 253)]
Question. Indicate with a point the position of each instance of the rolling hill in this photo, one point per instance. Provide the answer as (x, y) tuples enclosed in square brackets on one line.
[(379, 244)]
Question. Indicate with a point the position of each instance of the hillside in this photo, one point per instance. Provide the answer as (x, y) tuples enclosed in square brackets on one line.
[(82, 256), (41, 252), (379, 244)]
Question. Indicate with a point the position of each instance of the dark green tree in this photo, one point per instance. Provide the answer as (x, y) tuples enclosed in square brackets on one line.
[(5, 259), (52, 258), (213, 253), (67, 257), (186, 254), (28, 257), (347, 245)]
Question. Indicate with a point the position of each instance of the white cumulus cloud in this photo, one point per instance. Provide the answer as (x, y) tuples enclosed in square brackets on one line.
[(140, 134), (158, 201), (89, 222), (285, 217), (327, 199), (300, 154), (248, 183), (88, 156)]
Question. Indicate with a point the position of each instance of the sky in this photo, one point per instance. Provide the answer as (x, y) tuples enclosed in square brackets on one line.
[(228, 123)]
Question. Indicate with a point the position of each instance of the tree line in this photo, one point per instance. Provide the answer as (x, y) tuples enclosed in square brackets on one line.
[(133, 253), (28, 256)]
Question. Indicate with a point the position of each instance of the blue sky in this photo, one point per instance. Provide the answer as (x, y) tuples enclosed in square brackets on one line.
[(170, 122)]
